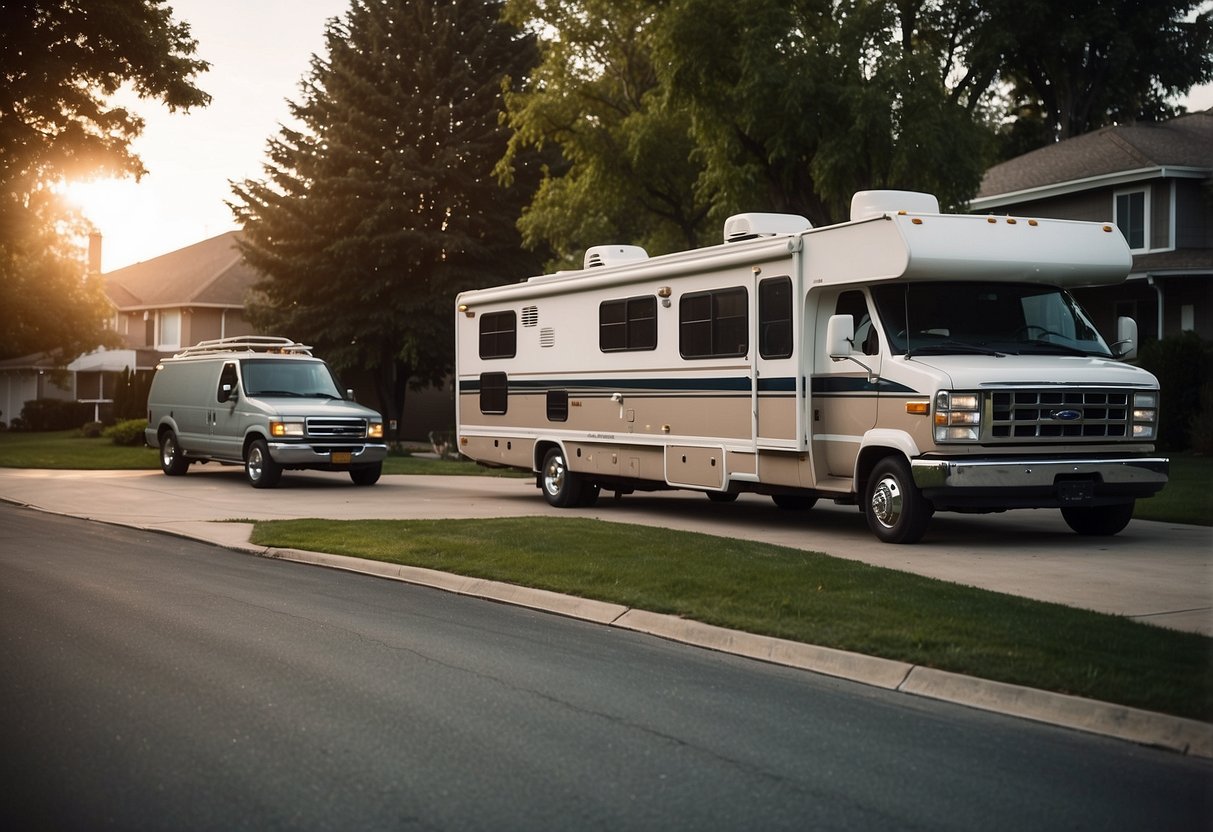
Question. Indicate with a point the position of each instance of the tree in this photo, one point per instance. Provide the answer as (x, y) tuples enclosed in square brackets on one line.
[(627, 169), (60, 62), (381, 204), (1075, 66)]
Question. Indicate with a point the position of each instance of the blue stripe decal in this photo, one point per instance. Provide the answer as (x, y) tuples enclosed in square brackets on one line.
[(827, 385), (821, 385)]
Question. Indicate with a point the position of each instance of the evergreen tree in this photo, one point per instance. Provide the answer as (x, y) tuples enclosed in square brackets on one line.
[(382, 204)]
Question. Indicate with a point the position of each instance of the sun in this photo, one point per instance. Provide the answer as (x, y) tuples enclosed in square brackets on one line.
[(107, 203)]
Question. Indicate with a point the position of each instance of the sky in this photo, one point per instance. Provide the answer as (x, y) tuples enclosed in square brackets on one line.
[(259, 52)]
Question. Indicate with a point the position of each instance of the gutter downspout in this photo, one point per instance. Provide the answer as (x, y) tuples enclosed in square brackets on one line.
[(1158, 291)]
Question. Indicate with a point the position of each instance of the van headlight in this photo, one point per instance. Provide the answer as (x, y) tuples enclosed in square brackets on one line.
[(280, 430), (1145, 415), (957, 416), (375, 430)]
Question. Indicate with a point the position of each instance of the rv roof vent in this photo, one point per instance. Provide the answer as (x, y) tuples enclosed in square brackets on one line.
[(599, 256), (868, 204), (748, 226)]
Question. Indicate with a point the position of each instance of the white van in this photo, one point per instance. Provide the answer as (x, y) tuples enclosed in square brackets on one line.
[(907, 362), (263, 402)]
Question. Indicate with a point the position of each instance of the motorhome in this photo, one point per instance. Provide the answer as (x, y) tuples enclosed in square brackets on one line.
[(905, 361)]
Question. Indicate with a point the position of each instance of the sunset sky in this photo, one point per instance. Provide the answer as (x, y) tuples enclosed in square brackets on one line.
[(259, 51)]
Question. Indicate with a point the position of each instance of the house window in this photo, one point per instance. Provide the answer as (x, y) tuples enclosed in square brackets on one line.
[(498, 334), (1132, 208), (713, 324), (170, 329), (629, 324), (775, 317)]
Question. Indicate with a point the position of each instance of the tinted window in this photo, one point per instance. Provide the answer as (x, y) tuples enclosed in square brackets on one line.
[(494, 392), (498, 334), (713, 324), (629, 324), (775, 317)]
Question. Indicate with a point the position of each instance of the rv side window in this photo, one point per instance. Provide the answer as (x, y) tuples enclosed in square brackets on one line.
[(713, 324), (775, 317), (498, 335), (558, 405), (494, 392), (629, 324)]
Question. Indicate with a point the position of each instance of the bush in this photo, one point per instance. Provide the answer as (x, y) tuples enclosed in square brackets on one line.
[(128, 432), (92, 430), (1200, 429), (53, 414), (1184, 365)]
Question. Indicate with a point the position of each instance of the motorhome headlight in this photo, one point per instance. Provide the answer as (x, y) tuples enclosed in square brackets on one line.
[(957, 416), (1145, 415), (375, 430), (286, 429)]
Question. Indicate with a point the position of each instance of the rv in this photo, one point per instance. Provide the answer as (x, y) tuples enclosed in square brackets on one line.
[(905, 361)]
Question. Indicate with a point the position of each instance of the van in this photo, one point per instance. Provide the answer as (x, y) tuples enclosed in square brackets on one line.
[(262, 402), (906, 362)]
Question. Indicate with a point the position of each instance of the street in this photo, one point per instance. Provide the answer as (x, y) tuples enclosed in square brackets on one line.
[(158, 683)]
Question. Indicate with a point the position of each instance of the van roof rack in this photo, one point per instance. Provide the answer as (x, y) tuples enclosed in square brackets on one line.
[(246, 343)]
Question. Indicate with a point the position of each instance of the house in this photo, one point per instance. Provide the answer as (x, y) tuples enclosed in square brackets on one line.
[(1155, 183)]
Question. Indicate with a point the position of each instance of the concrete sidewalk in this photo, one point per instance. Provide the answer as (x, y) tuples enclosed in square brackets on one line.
[(1162, 573)]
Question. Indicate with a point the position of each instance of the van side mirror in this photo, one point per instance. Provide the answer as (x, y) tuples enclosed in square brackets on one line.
[(840, 336), (349, 393), (227, 392), (1126, 339)]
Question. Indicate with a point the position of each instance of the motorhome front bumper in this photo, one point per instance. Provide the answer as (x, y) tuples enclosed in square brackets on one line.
[(314, 456), (1038, 482)]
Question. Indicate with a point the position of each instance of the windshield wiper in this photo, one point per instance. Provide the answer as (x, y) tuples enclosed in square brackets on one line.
[(949, 347), (1053, 346), (283, 393)]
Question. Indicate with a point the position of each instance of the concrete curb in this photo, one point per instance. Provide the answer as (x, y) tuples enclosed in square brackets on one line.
[(1185, 736)]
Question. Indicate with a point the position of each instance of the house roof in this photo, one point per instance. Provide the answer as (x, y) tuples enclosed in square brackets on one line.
[(210, 273), (1182, 146)]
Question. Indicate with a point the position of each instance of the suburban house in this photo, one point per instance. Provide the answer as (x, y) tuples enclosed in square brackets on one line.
[(1154, 182)]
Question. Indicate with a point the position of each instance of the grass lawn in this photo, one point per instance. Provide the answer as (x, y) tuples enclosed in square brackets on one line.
[(803, 596)]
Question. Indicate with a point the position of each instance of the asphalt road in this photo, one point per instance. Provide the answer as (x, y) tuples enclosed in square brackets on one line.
[(152, 682)]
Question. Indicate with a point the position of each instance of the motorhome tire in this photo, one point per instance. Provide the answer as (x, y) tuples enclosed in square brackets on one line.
[(896, 510), (366, 474), (793, 502), (561, 487), (1098, 521), (173, 461), (259, 467)]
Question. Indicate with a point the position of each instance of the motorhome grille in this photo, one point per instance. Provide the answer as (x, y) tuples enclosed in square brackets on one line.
[(1060, 415), (334, 428)]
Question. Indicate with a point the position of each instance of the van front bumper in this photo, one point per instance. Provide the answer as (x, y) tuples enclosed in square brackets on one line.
[(295, 454), (1038, 482)]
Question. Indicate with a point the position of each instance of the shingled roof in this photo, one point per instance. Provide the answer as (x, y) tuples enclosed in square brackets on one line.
[(209, 273), (1183, 146)]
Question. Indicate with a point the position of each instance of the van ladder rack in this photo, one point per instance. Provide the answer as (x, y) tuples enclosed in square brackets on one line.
[(246, 343)]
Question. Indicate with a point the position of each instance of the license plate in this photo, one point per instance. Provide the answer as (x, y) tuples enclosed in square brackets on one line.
[(1076, 491), (341, 457)]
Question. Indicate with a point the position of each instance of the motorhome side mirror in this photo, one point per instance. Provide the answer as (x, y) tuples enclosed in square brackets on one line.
[(1126, 338), (840, 335)]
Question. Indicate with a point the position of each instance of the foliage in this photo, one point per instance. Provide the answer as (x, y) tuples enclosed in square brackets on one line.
[(1184, 366), (61, 63), (54, 414), (1200, 428), (130, 393), (382, 205), (128, 433), (1073, 67), (92, 430)]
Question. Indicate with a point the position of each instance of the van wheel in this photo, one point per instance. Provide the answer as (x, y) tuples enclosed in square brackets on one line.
[(561, 487), (172, 459), (896, 510), (1098, 521), (366, 474), (259, 467)]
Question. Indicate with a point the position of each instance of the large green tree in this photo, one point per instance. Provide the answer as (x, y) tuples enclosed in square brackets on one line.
[(381, 203), (627, 168), (60, 61)]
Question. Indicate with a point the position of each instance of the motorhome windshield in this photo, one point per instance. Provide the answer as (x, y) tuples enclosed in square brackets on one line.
[(294, 379), (985, 318)]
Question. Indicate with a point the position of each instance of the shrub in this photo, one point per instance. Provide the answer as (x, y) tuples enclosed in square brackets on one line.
[(53, 414), (1200, 429), (91, 430), (1183, 364), (128, 432)]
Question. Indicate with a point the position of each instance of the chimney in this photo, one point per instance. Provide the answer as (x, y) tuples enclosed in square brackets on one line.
[(94, 253)]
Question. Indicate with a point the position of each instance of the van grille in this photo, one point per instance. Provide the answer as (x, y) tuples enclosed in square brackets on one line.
[(1060, 415), (332, 428)]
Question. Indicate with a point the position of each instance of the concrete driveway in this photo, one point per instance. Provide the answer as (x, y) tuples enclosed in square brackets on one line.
[(1161, 573)]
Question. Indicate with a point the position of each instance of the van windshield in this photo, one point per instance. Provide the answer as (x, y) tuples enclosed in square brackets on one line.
[(985, 318), (298, 379)]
